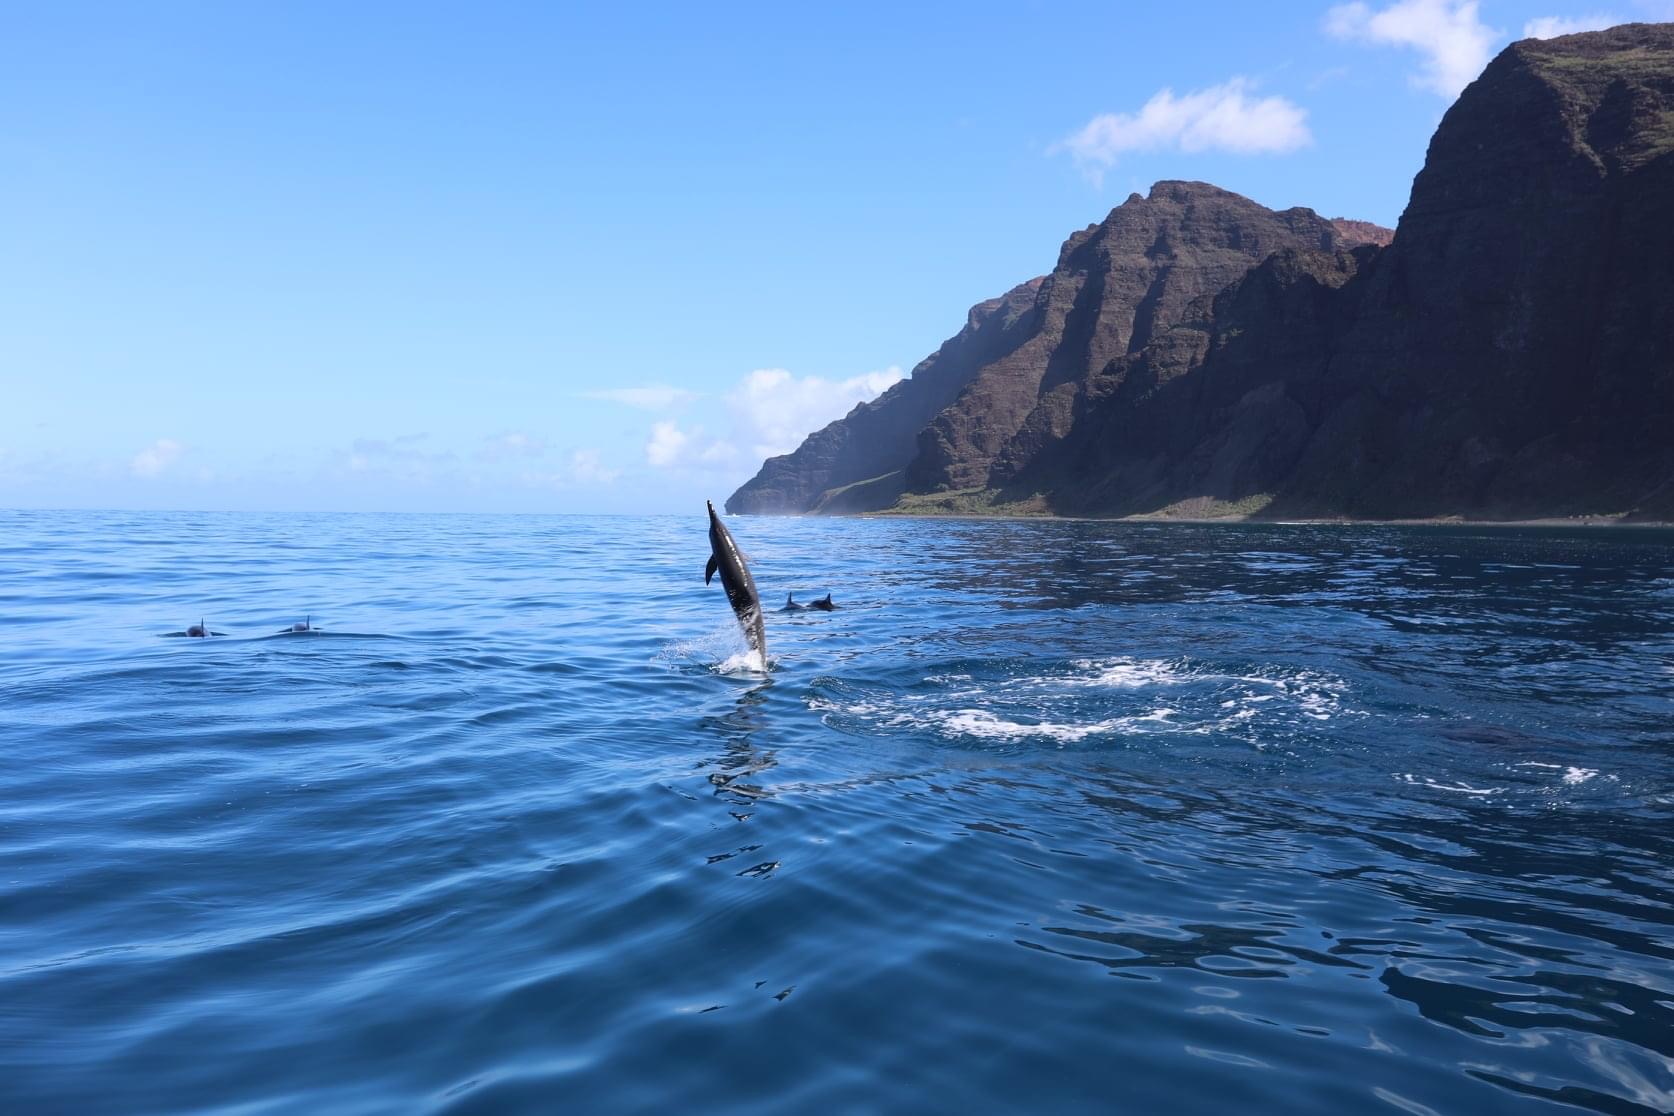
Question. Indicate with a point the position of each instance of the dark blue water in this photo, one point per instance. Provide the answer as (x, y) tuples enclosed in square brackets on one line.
[(1048, 817)]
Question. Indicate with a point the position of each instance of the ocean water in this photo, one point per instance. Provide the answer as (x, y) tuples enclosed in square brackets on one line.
[(1047, 817)]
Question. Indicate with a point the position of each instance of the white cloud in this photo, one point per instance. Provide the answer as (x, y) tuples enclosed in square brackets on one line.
[(774, 410), (650, 397), (771, 412), (1223, 117), (667, 444), (671, 447), (1550, 27), (156, 458), (1449, 33)]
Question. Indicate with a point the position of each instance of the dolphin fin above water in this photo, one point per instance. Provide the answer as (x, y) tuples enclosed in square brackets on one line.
[(726, 559)]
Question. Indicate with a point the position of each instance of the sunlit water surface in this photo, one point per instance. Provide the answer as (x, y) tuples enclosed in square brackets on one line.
[(1047, 817)]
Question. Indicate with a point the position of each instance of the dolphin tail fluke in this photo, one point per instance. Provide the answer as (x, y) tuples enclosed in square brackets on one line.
[(709, 570)]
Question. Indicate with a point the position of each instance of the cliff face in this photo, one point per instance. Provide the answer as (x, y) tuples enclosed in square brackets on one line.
[(1512, 351), (1117, 286), (1508, 352), (1213, 417)]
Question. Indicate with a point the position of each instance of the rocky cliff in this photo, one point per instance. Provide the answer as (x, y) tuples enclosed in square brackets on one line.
[(998, 390), (1508, 352)]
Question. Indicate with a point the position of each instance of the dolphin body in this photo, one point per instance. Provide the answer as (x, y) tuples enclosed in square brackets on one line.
[(726, 559)]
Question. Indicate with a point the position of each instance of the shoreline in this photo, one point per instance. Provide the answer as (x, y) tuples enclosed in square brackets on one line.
[(1599, 522)]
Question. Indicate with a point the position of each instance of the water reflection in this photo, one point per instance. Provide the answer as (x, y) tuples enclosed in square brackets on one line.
[(733, 770), (734, 774)]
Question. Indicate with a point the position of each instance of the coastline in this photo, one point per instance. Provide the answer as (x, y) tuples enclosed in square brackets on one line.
[(1591, 522)]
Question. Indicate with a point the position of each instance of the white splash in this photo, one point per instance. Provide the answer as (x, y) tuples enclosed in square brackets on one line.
[(1054, 704), (745, 662), (1455, 787)]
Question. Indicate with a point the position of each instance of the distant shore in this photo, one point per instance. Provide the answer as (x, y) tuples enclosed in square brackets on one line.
[(1589, 521)]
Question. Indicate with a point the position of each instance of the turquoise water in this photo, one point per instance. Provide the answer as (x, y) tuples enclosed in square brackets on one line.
[(1047, 817)]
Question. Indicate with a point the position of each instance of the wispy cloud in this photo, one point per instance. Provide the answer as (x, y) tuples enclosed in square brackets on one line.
[(1550, 27), (155, 459), (511, 444), (585, 468), (649, 397), (404, 456), (1450, 34), (1227, 117)]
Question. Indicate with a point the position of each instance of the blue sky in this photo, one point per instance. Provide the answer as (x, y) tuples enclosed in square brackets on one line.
[(548, 257)]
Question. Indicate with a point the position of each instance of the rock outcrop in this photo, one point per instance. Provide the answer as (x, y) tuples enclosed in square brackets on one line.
[(1507, 352)]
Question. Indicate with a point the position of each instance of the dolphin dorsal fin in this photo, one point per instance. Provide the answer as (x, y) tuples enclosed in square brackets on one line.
[(790, 599), (709, 570)]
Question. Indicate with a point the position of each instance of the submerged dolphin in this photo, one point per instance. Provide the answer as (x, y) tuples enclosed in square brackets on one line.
[(198, 631), (306, 626), (726, 558), (823, 604)]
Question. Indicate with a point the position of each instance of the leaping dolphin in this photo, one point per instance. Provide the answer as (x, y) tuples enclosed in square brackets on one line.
[(726, 558)]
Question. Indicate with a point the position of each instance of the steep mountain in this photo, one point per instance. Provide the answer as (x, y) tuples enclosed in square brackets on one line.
[(1509, 352), (1006, 374)]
